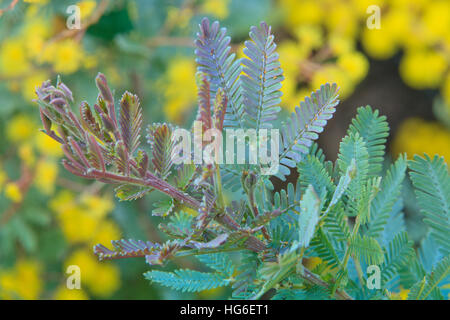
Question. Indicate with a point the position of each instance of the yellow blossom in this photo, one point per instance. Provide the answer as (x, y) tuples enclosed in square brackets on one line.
[(355, 64), (85, 259), (26, 154), (106, 280), (417, 136), (342, 19), (63, 293), (66, 55), (332, 73), (102, 279), (179, 88), (217, 8), (23, 281), (20, 128), (401, 295), (379, 43), (35, 31), (309, 36), (106, 232), (340, 44), (30, 82), (48, 146), (290, 55), (436, 19), (12, 192), (77, 225), (302, 12), (13, 59), (46, 173), (86, 8), (423, 69), (63, 201), (97, 206)]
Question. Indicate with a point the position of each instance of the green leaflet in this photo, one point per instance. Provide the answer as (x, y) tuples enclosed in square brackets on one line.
[(308, 217), (366, 248), (431, 179), (187, 280)]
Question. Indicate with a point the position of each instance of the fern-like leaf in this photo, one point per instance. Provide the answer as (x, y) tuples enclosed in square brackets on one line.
[(398, 253), (309, 216), (130, 121), (262, 78), (384, 201), (223, 70), (431, 283), (185, 280), (219, 262), (363, 247), (304, 125), (204, 101), (431, 180), (161, 140), (374, 130)]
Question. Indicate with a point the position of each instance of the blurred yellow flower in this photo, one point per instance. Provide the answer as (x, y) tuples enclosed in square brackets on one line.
[(48, 146), (23, 281), (106, 280), (66, 56), (309, 36), (302, 12), (379, 43), (291, 54), (63, 293), (12, 192), (30, 82), (106, 232), (97, 206), (332, 73), (417, 136), (340, 44), (77, 225), (341, 18), (13, 60), (101, 278), (401, 295), (26, 154), (34, 32), (20, 128), (46, 173), (179, 88), (217, 8), (86, 8), (423, 69), (436, 19), (85, 259), (355, 64)]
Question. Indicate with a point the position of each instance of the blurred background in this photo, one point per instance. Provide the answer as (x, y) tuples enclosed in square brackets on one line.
[(49, 219)]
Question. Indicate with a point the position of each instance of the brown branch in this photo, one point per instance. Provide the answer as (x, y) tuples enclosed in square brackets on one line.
[(11, 6), (78, 33)]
